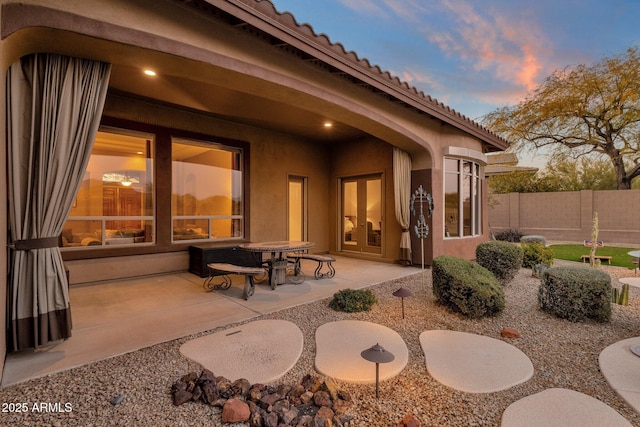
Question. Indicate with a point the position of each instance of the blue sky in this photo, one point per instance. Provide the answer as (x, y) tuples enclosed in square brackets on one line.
[(474, 55)]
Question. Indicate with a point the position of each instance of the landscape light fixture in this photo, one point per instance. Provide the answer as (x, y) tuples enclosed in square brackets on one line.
[(378, 355), (402, 293)]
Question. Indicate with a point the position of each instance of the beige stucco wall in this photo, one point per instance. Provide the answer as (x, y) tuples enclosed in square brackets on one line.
[(569, 215)]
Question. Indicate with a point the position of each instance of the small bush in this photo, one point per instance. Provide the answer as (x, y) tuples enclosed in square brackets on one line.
[(527, 240), (511, 235), (576, 293), (536, 253), (353, 300), (503, 259), (466, 287)]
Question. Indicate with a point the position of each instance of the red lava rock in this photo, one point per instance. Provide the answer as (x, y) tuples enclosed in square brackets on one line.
[(235, 411), (409, 421), (510, 333)]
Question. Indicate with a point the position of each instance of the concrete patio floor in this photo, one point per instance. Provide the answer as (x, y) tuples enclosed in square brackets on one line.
[(117, 317)]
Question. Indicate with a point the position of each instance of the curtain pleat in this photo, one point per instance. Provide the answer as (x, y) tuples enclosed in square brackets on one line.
[(54, 106), (402, 193)]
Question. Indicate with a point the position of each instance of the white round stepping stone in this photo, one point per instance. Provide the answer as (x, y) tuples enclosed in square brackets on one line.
[(338, 348), (562, 408), (620, 365), (260, 351), (474, 363)]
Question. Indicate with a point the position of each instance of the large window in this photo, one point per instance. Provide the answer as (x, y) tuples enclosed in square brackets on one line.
[(114, 205), (206, 196), (462, 199)]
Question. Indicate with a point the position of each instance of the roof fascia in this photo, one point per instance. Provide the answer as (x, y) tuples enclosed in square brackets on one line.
[(247, 11)]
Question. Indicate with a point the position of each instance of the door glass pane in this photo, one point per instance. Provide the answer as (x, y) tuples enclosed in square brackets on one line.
[(296, 208), (374, 212), (350, 212)]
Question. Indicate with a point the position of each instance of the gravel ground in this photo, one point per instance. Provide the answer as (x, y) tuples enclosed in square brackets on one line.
[(564, 354)]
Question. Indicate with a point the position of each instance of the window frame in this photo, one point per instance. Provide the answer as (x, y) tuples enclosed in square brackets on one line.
[(474, 177), (162, 197)]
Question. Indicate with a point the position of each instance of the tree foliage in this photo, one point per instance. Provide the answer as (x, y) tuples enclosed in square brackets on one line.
[(560, 174), (580, 111)]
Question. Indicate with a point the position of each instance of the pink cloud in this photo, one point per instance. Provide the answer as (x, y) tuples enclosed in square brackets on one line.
[(512, 47)]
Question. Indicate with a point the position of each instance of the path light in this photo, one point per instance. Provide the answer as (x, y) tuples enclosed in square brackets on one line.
[(402, 293), (378, 355)]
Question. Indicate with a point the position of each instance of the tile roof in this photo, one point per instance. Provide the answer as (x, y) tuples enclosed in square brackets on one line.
[(287, 32)]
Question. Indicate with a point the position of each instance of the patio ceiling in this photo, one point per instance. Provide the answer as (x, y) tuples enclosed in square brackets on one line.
[(230, 104)]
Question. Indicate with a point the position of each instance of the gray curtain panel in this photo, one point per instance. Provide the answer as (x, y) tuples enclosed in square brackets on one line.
[(402, 192), (54, 106)]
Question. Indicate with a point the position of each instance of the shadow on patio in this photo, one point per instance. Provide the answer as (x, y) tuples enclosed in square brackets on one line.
[(117, 317)]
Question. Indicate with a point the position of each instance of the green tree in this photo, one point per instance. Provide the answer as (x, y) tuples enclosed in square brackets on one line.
[(582, 110), (566, 174)]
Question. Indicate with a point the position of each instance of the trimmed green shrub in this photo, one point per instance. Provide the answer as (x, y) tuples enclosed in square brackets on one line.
[(576, 293), (466, 287), (527, 240), (503, 259), (536, 253), (353, 300), (511, 235)]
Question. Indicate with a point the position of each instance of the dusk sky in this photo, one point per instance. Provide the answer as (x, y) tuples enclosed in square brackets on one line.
[(474, 56)]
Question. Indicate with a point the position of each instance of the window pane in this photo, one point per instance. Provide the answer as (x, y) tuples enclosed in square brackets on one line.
[(451, 205), (115, 198), (466, 204), (206, 199)]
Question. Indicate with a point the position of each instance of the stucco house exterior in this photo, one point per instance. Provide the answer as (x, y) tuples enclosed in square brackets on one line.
[(209, 122)]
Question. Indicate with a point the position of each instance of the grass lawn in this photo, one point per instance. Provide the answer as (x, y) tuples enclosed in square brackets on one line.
[(619, 255)]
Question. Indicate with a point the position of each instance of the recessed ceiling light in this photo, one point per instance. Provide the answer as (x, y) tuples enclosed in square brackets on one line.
[(149, 72), (328, 124)]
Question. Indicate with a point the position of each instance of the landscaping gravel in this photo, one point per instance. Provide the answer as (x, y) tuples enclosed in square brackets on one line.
[(564, 354)]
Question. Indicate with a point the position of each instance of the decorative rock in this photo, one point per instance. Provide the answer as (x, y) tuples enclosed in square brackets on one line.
[(331, 387), (409, 421), (268, 400), (241, 387), (117, 400), (305, 420), (324, 418), (311, 383), (197, 393), (306, 397), (287, 417), (235, 411), (510, 333), (271, 420), (181, 396), (209, 392), (322, 398), (341, 406)]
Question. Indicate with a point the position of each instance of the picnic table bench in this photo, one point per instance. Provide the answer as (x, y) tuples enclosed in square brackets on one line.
[(225, 269), (600, 257), (320, 259)]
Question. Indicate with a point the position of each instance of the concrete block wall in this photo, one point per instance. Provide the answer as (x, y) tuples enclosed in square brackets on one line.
[(568, 216)]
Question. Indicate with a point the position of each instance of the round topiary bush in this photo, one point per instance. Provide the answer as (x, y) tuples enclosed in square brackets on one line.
[(503, 259), (353, 300), (576, 293), (466, 287), (536, 253)]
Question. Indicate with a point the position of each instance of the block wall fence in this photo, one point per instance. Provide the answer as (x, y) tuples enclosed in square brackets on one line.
[(568, 216)]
